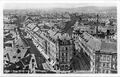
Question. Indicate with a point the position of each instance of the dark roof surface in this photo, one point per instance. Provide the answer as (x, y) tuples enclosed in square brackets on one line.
[(109, 47)]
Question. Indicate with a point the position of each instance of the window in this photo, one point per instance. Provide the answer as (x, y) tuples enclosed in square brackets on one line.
[(113, 66), (33, 60), (93, 56), (114, 59), (49, 60), (19, 57), (107, 65), (104, 57), (4, 55), (18, 51), (66, 59), (108, 58), (61, 48), (66, 55), (66, 48), (62, 59), (107, 71), (66, 67), (14, 56), (62, 67), (62, 54), (103, 71), (103, 64)]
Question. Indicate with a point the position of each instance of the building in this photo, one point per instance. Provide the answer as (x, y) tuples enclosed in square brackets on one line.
[(106, 58), (111, 30), (114, 63), (65, 50), (47, 43), (104, 54), (51, 51)]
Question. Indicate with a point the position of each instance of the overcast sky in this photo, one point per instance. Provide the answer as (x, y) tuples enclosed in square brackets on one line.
[(53, 5)]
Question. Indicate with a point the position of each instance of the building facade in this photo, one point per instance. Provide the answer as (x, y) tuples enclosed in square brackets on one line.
[(106, 58), (105, 62), (65, 50)]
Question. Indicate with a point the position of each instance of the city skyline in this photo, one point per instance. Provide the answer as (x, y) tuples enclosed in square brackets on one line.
[(61, 38)]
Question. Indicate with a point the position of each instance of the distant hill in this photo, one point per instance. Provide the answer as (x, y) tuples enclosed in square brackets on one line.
[(87, 9)]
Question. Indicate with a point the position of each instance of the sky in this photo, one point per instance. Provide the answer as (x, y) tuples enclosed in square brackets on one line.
[(52, 5)]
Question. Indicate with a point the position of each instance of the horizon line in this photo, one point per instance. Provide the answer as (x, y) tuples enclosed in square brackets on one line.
[(53, 5)]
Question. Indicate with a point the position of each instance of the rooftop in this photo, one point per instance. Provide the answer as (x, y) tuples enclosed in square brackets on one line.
[(97, 44), (94, 44), (9, 26), (109, 47)]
